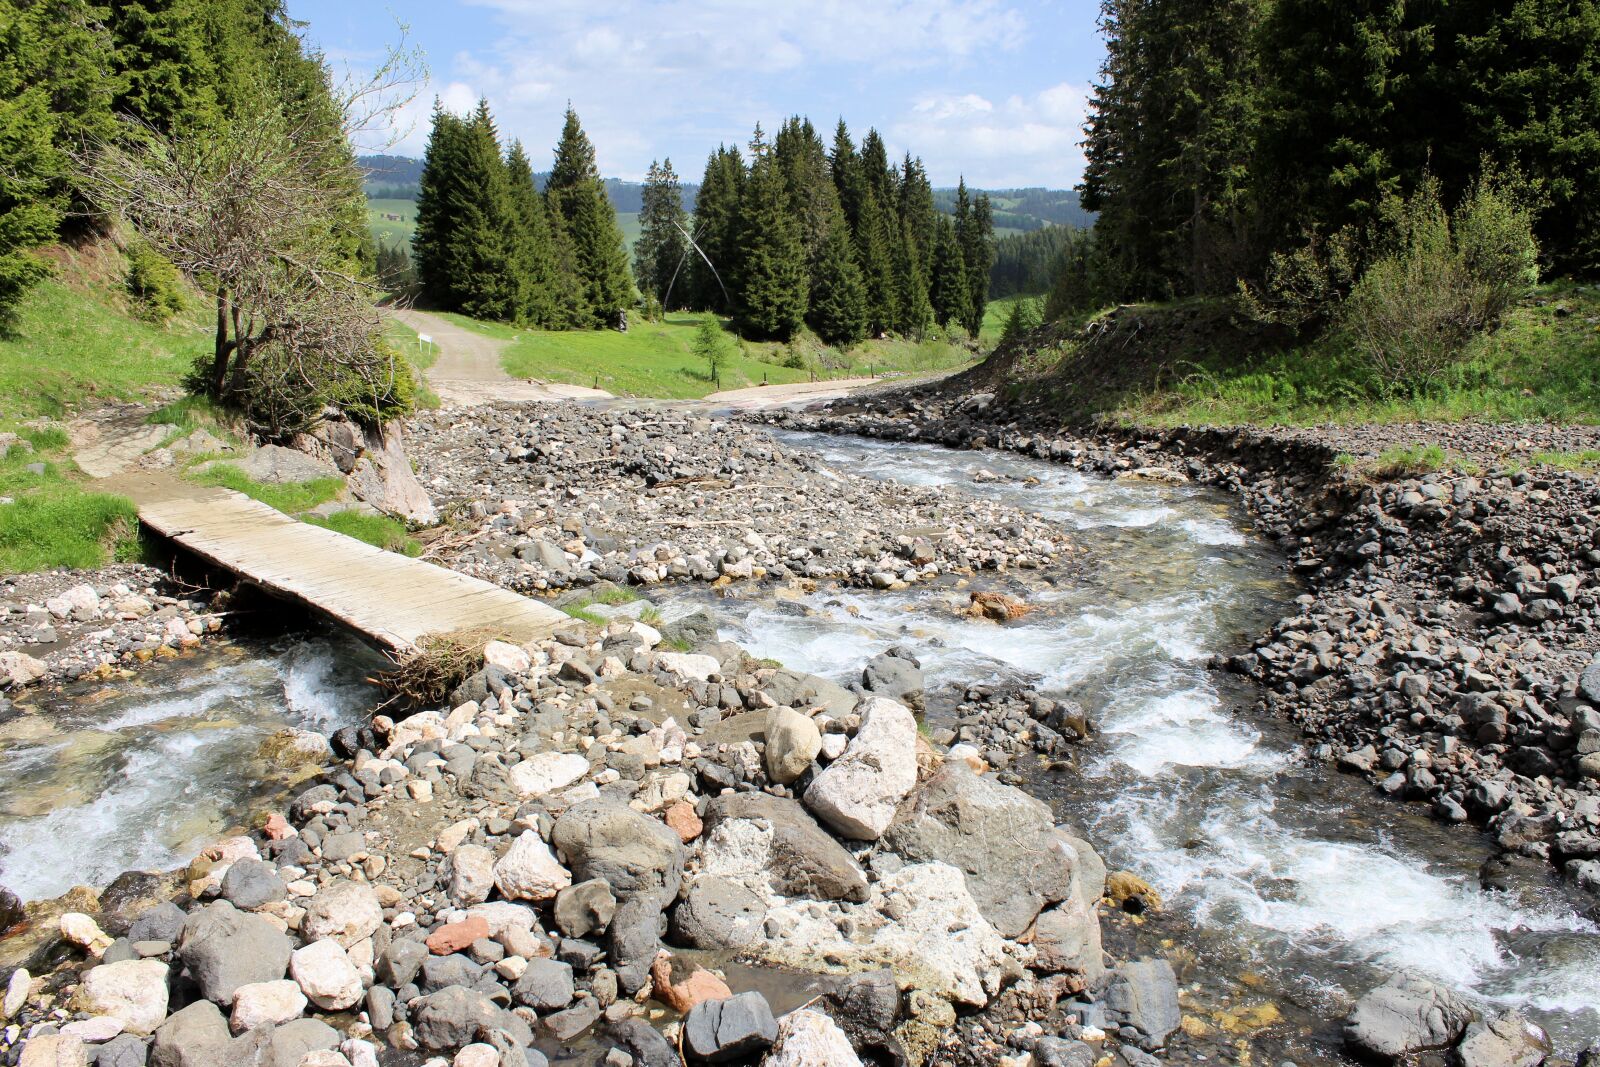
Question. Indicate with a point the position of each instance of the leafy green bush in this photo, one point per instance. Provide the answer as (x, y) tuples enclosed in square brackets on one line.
[(1445, 279), (153, 284)]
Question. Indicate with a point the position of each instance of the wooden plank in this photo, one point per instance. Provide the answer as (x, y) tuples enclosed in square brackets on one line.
[(392, 600)]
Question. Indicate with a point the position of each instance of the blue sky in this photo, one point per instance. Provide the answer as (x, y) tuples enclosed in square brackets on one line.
[(990, 89)]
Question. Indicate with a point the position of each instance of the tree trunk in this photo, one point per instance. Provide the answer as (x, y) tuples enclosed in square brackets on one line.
[(224, 347)]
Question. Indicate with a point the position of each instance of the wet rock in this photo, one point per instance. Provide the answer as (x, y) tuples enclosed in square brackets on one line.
[(895, 674), (133, 992), (401, 961), (629, 851), (810, 1039), (530, 871), (11, 910), (680, 984), (1066, 940), (800, 859), (857, 793), (225, 948), (1002, 839), (1506, 1040), (645, 1044), (793, 741), (1143, 997), (636, 932), (347, 912), (1062, 1052), (718, 914), (1404, 1015), (719, 1031)]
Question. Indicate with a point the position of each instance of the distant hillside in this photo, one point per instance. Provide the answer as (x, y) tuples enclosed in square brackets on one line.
[(1026, 209), (1020, 210)]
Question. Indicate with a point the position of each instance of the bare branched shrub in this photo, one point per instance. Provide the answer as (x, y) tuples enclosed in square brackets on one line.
[(259, 210), (1447, 278)]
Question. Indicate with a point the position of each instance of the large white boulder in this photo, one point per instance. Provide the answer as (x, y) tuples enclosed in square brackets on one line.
[(530, 871), (544, 772), (133, 992), (325, 975), (858, 792)]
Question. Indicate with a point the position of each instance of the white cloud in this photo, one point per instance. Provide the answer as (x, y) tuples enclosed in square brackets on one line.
[(1021, 141)]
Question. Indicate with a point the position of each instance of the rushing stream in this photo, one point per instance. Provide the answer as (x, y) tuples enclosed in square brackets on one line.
[(103, 779), (1290, 870)]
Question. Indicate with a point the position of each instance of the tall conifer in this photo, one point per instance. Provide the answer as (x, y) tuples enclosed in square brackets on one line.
[(837, 308), (533, 256), (716, 230), (576, 192), (772, 270), (658, 254)]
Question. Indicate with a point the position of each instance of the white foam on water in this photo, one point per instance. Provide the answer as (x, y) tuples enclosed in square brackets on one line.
[(317, 687), (1185, 729), (1213, 532), (199, 696)]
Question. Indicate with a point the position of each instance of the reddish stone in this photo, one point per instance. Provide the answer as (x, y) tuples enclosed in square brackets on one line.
[(680, 984), (277, 828), (457, 937), (683, 821)]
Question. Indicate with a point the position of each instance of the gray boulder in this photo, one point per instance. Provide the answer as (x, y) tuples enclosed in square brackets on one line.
[(582, 909), (457, 1016), (1000, 837), (1404, 1015), (1143, 996), (196, 1036), (796, 690), (400, 962), (292, 1040), (124, 1050), (225, 948), (545, 986), (793, 741), (895, 674), (645, 1044), (159, 922), (1061, 1052), (276, 465), (718, 914), (806, 860), (630, 851), (251, 884), (636, 940), (1066, 940), (717, 1031)]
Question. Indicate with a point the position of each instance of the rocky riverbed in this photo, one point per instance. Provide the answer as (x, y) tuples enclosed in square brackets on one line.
[(1448, 646)]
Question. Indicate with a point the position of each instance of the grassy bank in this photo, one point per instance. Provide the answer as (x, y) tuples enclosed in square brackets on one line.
[(48, 519), (657, 359)]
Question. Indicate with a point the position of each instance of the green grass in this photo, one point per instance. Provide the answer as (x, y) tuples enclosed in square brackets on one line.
[(577, 612), (51, 521), (390, 231), (1540, 365), (421, 357), (996, 312), (615, 597), (656, 359), (1587, 460), (74, 345), (380, 530), (290, 497)]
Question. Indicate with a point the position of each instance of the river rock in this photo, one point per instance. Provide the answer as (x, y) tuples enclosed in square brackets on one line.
[(629, 851), (793, 741), (688, 666), (644, 1044), (759, 835), (680, 984), (196, 1036), (1000, 837), (857, 793), (346, 911), (11, 910), (582, 909), (545, 772), (297, 1038), (1143, 995), (456, 1016), (53, 1050), (225, 948), (1506, 1040), (133, 992), (545, 986), (1406, 1014), (124, 1050), (530, 871), (325, 975), (895, 674), (401, 961), (266, 1004), (810, 1039), (18, 669), (717, 914), (1066, 940), (718, 1031), (471, 875), (795, 689), (159, 922), (251, 884)]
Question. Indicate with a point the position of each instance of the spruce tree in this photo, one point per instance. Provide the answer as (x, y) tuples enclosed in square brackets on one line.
[(975, 232), (29, 208), (716, 230), (912, 310), (837, 309), (659, 254), (812, 197), (533, 254), (483, 242), (845, 166), (772, 270), (876, 236), (440, 199), (950, 294), (163, 72), (576, 192)]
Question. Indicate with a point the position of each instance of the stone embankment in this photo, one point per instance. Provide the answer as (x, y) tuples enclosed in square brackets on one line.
[(1448, 643)]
